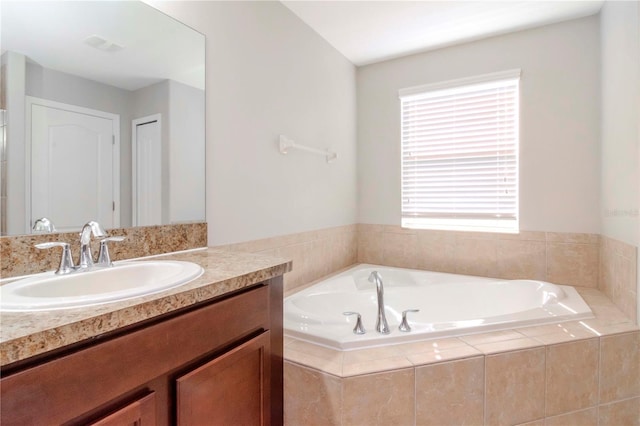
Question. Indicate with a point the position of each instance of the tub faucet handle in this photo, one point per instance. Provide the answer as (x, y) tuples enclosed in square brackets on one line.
[(404, 325), (359, 328)]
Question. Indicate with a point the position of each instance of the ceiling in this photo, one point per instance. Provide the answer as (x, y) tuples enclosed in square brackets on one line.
[(371, 31), (155, 47)]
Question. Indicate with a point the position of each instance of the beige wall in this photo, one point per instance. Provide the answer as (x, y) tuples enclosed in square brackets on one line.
[(268, 73), (559, 139)]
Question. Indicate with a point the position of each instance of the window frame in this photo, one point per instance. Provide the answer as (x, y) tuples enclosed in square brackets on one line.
[(459, 223)]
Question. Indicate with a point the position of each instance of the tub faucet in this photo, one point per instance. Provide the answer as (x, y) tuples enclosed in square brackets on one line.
[(381, 323), (89, 229)]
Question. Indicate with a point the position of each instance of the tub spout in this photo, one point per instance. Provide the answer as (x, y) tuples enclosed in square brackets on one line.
[(381, 323)]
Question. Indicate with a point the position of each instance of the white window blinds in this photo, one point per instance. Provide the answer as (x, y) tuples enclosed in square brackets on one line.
[(460, 154)]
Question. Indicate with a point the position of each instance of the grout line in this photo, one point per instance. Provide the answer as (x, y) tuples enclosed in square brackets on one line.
[(546, 384), (484, 396)]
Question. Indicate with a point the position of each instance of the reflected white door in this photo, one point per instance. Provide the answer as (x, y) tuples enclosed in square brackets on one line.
[(147, 171), (72, 166)]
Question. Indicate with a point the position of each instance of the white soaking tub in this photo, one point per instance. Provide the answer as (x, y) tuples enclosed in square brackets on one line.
[(450, 305)]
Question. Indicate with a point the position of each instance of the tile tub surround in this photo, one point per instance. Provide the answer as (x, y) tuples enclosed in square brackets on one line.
[(315, 254), (618, 271), (25, 334), (560, 258), (18, 256), (584, 260), (585, 372)]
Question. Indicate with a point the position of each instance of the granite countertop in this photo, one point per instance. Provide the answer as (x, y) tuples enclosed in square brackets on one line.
[(25, 334)]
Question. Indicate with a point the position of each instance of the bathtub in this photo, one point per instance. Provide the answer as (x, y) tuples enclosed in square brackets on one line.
[(450, 305)]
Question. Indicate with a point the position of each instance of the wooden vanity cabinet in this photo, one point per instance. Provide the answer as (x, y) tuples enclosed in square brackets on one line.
[(219, 363)]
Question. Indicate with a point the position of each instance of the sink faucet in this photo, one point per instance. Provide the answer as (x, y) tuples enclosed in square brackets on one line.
[(89, 229), (381, 323)]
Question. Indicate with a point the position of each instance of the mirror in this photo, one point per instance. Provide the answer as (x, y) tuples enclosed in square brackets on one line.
[(102, 116)]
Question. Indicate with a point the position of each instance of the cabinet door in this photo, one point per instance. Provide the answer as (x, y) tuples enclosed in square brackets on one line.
[(139, 413), (232, 389)]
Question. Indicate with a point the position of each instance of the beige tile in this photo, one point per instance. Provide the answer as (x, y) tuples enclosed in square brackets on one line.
[(606, 272), (476, 257), (310, 397), (521, 259), (436, 251), (313, 356), (562, 337), (507, 345), (514, 390), (539, 422), (616, 328), (618, 248), (478, 235), (430, 345), (619, 367), (371, 354), (628, 304), (399, 229), (375, 366), (372, 360), (525, 236), (587, 417), (370, 246), (379, 399), (400, 249), (495, 336), (436, 356), (572, 264), (450, 393), (568, 237), (623, 413), (564, 327), (316, 350), (572, 376)]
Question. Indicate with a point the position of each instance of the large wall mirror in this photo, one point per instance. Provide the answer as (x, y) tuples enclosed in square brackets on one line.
[(102, 116)]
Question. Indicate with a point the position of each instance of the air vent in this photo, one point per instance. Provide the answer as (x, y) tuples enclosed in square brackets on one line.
[(102, 44)]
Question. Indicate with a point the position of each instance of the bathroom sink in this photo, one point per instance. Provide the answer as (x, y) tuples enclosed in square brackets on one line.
[(100, 285)]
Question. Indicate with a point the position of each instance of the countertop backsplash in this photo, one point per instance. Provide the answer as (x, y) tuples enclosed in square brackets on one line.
[(18, 256)]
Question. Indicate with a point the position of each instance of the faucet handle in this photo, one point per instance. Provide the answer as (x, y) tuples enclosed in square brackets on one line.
[(359, 328), (66, 261), (103, 255), (404, 325), (43, 225)]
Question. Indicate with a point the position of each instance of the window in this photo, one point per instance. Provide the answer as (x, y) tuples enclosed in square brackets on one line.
[(460, 154)]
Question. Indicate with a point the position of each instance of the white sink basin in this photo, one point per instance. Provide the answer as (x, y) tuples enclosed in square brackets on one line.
[(123, 281)]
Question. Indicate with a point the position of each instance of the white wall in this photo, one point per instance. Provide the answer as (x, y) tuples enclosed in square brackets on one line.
[(268, 73), (187, 145), (620, 44), (559, 136), (14, 87)]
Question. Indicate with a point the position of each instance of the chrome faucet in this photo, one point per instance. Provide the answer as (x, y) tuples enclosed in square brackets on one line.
[(89, 229), (44, 225), (381, 323)]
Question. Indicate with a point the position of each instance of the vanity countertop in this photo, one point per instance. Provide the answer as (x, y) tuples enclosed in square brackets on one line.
[(25, 334)]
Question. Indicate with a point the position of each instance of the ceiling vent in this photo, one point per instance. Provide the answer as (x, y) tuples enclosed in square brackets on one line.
[(102, 44)]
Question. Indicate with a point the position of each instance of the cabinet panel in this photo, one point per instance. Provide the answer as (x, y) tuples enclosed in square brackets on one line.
[(65, 388), (232, 389), (139, 413)]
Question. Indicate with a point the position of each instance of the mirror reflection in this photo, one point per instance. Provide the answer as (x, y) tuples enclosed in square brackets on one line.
[(102, 116)]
